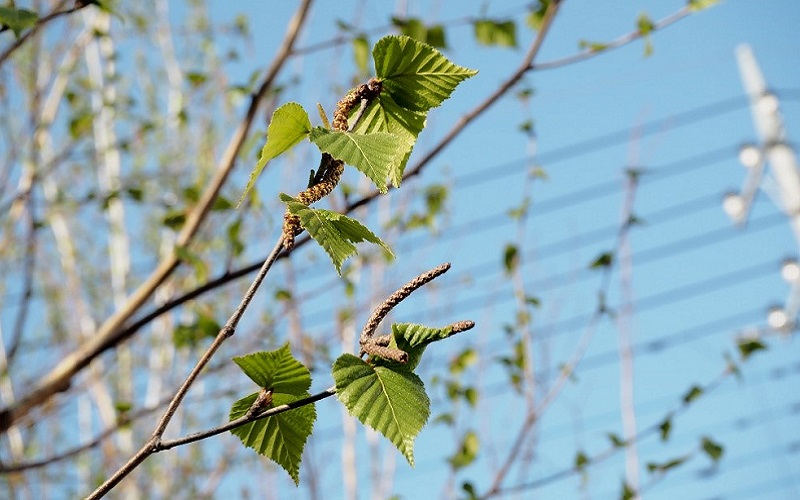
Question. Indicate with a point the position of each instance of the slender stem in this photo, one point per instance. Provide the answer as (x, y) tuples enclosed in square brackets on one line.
[(152, 445), (614, 44), (199, 436), (108, 335), (494, 97), (56, 13)]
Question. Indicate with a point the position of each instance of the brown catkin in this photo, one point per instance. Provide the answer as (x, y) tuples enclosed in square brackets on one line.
[(332, 168)]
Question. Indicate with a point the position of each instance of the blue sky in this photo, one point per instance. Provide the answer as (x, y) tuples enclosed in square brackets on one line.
[(697, 281), (679, 117)]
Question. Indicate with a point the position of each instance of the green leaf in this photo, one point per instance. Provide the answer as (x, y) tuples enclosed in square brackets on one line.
[(17, 20), (334, 232), (385, 115), (417, 76), (645, 26), (374, 154), (393, 403), (605, 259), (467, 451), (617, 441), (361, 53), (581, 460), (749, 346), (174, 219), (592, 46), (510, 258), (627, 492), (289, 126), (280, 437), (669, 464), (713, 449), (413, 27), (188, 335), (697, 5), (413, 339), (502, 33), (276, 370), (665, 428), (693, 393), (464, 360), (535, 17)]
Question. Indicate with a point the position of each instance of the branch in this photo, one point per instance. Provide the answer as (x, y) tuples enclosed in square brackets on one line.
[(494, 97), (107, 336), (614, 44), (654, 428), (227, 331), (124, 333), (55, 14)]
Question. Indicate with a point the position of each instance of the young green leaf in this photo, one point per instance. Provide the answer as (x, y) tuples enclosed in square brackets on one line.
[(289, 126), (749, 346), (280, 437), (385, 115), (467, 451), (374, 154), (605, 259), (335, 233), (413, 339), (665, 428), (417, 76), (361, 53), (501, 33), (17, 20), (713, 449), (693, 393), (665, 466), (697, 5), (276, 370), (393, 403)]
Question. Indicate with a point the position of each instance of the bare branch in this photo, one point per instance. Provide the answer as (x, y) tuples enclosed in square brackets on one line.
[(107, 336), (55, 14), (614, 44)]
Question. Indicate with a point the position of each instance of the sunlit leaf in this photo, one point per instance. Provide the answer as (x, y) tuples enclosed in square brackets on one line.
[(280, 437), (17, 20), (276, 370), (413, 339), (713, 449), (334, 232), (375, 154), (605, 259), (665, 428), (467, 451), (693, 393), (417, 76), (393, 403), (749, 346), (501, 33), (289, 126), (697, 5)]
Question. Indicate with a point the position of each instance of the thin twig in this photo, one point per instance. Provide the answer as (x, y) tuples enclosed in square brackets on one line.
[(153, 444), (600, 457), (614, 44), (56, 13), (107, 336)]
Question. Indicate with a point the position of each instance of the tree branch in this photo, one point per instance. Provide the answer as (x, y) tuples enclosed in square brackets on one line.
[(55, 14), (614, 44), (107, 336)]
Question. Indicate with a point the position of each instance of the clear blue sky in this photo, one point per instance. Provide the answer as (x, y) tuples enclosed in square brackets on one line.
[(697, 280), (679, 116)]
